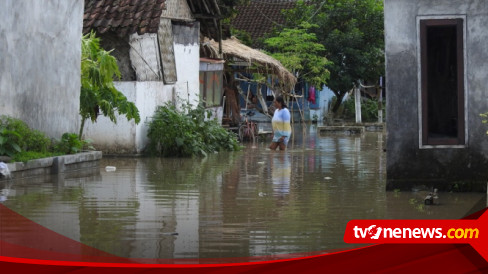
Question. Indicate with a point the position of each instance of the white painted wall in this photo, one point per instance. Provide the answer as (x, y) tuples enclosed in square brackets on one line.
[(325, 97), (40, 52), (217, 113), (127, 137), (188, 69)]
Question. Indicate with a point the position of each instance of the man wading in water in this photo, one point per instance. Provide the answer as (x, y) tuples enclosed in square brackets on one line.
[(281, 125)]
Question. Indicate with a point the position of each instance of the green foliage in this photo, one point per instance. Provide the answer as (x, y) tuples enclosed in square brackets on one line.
[(37, 141), (22, 143), (297, 50), (352, 32), (484, 117), (16, 136), (25, 156), (242, 35), (8, 146), (19, 130), (71, 143), (187, 132), (369, 110), (98, 69), (349, 111)]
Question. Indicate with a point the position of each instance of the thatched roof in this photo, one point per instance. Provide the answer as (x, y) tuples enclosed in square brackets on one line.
[(233, 49)]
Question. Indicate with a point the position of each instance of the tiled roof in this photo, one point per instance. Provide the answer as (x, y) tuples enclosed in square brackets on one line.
[(259, 17), (123, 17)]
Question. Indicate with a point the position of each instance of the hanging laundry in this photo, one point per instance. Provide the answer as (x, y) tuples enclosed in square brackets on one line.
[(269, 92), (311, 94)]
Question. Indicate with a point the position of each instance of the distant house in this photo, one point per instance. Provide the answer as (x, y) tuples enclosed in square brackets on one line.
[(156, 44), (40, 56), (436, 75), (241, 60), (258, 19)]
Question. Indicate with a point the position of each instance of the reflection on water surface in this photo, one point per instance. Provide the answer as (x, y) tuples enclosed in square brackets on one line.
[(250, 203)]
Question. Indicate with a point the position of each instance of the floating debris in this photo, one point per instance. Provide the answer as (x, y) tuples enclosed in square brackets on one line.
[(328, 178), (4, 171), (429, 199), (110, 168)]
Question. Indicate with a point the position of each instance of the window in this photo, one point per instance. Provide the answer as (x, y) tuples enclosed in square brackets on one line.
[(442, 82), (211, 87)]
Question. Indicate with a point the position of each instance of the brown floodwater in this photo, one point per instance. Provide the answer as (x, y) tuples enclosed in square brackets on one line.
[(255, 202)]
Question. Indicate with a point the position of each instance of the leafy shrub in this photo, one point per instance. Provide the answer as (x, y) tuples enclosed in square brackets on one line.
[(369, 110), (22, 143), (8, 145), (26, 138), (349, 109), (18, 126), (187, 132), (70, 143), (37, 141)]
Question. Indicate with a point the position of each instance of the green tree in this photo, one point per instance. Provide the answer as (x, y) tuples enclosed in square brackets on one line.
[(352, 33), (297, 50), (98, 69)]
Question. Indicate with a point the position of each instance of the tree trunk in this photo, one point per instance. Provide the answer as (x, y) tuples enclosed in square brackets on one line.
[(81, 127), (337, 103)]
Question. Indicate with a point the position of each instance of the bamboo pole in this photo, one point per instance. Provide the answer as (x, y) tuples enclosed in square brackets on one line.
[(357, 104)]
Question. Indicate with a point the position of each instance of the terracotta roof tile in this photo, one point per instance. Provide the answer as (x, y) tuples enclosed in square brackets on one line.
[(258, 18), (123, 17)]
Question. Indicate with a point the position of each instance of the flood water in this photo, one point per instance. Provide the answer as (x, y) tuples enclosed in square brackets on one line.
[(255, 202)]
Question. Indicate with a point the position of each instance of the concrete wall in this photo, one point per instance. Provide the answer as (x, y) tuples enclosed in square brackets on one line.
[(324, 98), (85, 161), (187, 53), (127, 137), (442, 167), (120, 47), (40, 52)]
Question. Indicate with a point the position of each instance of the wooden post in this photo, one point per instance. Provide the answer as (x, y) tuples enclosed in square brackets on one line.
[(380, 105), (261, 100), (357, 103), (380, 100), (220, 38), (247, 95)]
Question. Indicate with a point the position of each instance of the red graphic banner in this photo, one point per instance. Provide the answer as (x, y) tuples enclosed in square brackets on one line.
[(26, 246)]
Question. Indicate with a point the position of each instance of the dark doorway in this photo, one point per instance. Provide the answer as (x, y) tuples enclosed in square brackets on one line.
[(442, 82)]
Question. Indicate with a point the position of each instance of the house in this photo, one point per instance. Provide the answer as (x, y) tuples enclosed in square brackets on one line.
[(40, 57), (156, 44), (241, 61), (218, 79), (258, 19), (436, 75), (212, 86)]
